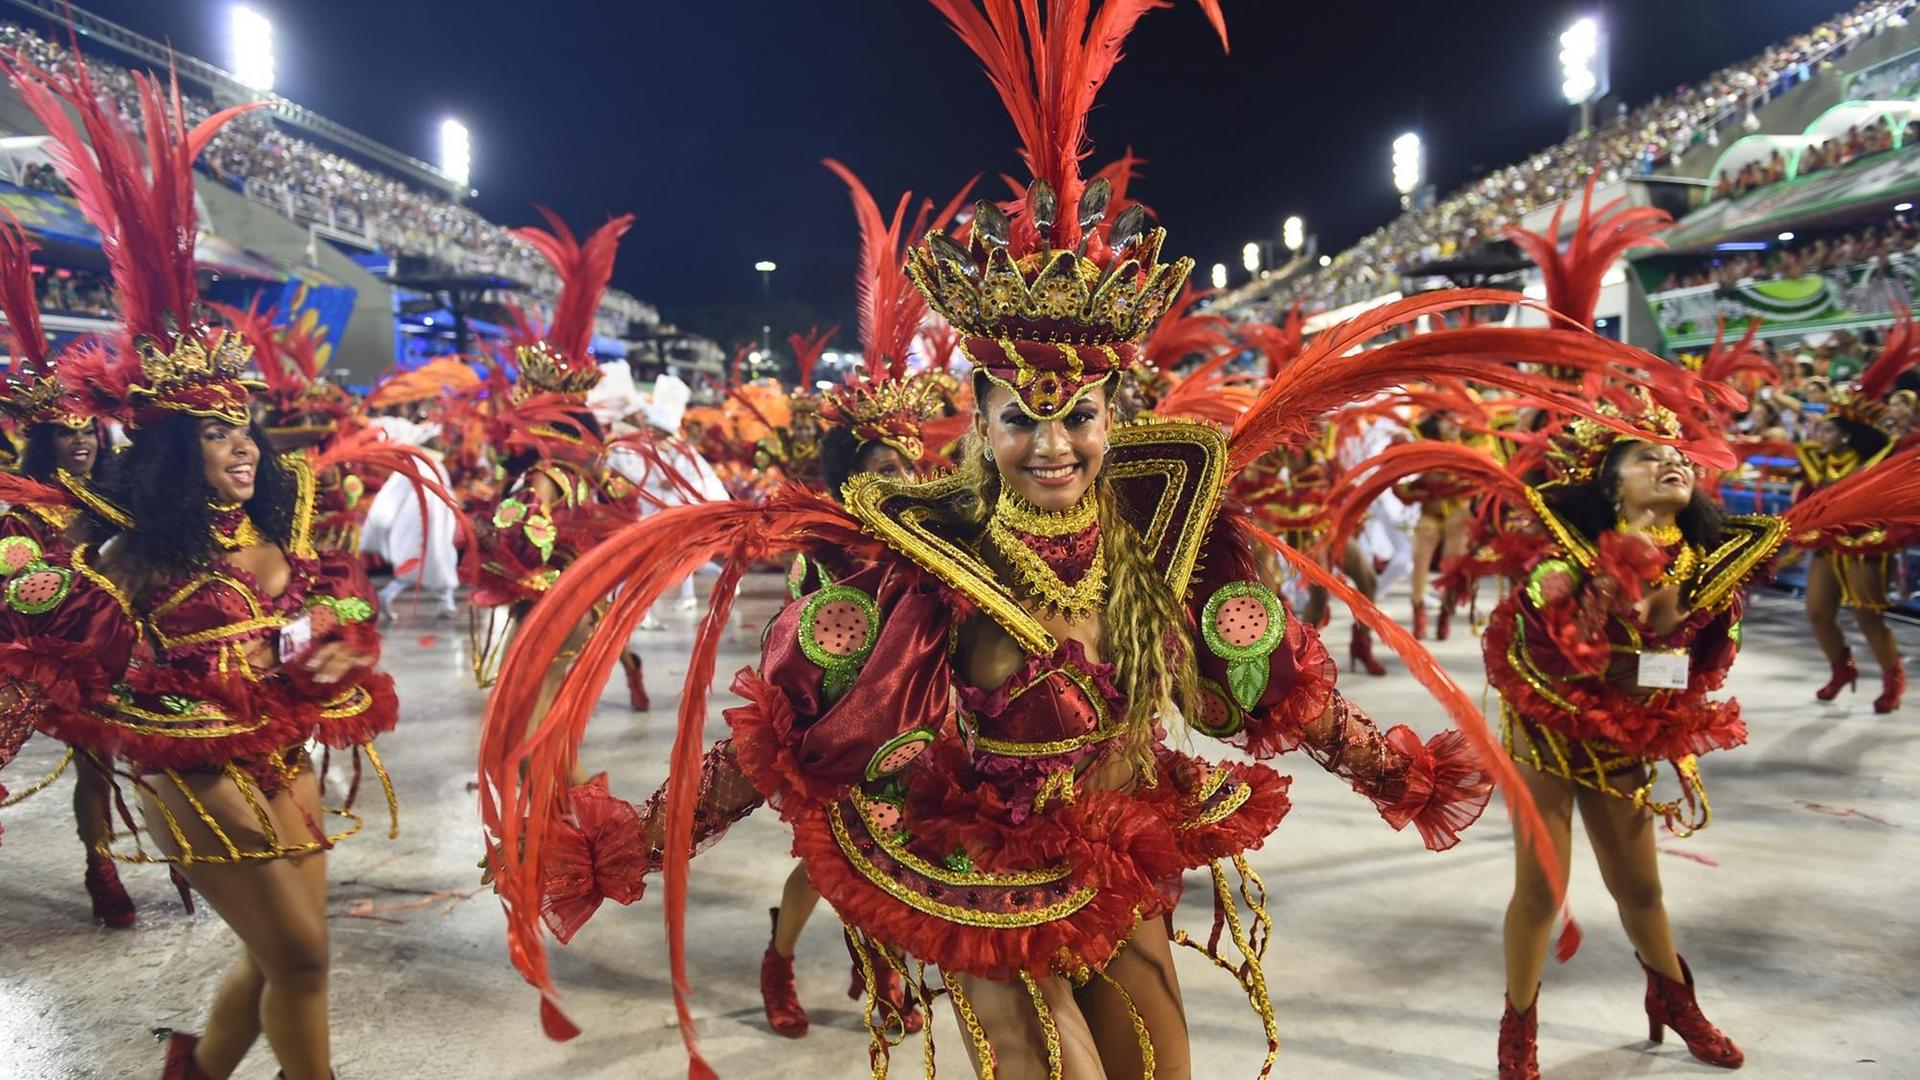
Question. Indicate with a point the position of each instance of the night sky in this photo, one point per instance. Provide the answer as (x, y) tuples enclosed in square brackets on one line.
[(708, 118)]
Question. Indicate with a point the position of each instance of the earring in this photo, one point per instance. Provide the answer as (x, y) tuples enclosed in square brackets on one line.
[(987, 452)]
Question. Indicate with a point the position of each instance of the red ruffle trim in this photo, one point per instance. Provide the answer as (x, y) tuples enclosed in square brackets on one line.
[(66, 673), (381, 714), (763, 741), (1243, 829), (180, 745), (1445, 789), (1122, 854), (594, 853), (1275, 730), (1665, 725)]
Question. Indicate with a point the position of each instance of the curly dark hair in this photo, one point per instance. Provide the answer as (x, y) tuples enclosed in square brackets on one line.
[(1589, 507), (841, 452), (161, 483)]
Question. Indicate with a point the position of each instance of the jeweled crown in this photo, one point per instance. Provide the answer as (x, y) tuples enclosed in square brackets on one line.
[(885, 411), (1109, 291), (544, 371), (200, 378), (1575, 455), (39, 400)]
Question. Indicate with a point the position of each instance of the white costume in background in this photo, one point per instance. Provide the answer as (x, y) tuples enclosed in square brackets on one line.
[(397, 533), (1387, 533)]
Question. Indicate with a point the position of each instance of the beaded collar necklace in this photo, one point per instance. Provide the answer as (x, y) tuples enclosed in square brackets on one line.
[(1056, 556)]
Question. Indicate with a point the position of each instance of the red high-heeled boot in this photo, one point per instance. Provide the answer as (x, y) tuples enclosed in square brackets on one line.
[(1360, 652), (1419, 621), (784, 1013), (1893, 683), (112, 907), (893, 991), (1519, 1041), (180, 1064), (636, 683), (1445, 625), (1844, 674), (1671, 1004)]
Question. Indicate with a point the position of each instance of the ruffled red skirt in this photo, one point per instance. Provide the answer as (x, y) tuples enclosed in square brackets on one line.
[(932, 864)]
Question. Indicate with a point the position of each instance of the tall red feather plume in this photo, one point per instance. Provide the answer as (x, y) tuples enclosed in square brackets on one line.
[(526, 771), (1279, 344), (1047, 72), (20, 303), (584, 270), (1355, 495), (1331, 372), (142, 202), (1599, 238), (807, 348), (1900, 351), (890, 308), (1208, 392), (940, 340)]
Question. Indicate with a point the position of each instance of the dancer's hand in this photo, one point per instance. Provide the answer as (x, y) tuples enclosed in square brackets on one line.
[(333, 661)]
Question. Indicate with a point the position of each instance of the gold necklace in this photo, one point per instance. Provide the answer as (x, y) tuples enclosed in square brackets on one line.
[(1685, 564), (1662, 535), (1034, 576), (241, 534)]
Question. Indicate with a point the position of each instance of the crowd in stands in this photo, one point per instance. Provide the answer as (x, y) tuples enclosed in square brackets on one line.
[(75, 292), (1805, 372), (253, 154), (1634, 142), (40, 176), (1898, 236), (1859, 141)]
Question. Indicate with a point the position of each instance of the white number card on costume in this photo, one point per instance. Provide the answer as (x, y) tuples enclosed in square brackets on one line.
[(1665, 669), (295, 637)]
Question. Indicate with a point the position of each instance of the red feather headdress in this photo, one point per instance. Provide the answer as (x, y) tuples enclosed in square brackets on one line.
[(885, 405), (288, 357), (1052, 299), (138, 191), (30, 392), (1573, 276), (562, 361), (1864, 401), (807, 348)]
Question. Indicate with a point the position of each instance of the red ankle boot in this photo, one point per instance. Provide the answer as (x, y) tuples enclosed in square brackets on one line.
[(180, 1064), (1419, 622), (1445, 626), (1360, 652), (112, 906), (1519, 1042), (636, 683), (1671, 1004), (1893, 683), (784, 1013), (893, 992), (1844, 674)]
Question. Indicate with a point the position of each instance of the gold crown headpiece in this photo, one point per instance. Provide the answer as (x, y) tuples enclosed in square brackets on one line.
[(41, 399), (1574, 456), (887, 411), (200, 378), (1051, 323), (544, 371)]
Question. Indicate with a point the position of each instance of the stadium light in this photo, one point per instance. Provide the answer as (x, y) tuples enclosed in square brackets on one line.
[(1326, 260), (456, 151), (1901, 208), (1250, 257), (1293, 233), (1786, 236), (251, 39), (765, 266), (1409, 165), (1219, 275), (1583, 67)]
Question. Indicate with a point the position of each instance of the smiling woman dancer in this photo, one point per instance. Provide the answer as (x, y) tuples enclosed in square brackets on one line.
[(199, 551), (1074, 584)]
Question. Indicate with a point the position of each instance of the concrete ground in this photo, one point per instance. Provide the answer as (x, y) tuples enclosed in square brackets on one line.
[(1795, 909)]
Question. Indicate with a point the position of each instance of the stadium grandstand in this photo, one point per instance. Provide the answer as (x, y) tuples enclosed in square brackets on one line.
[(305, 215)]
